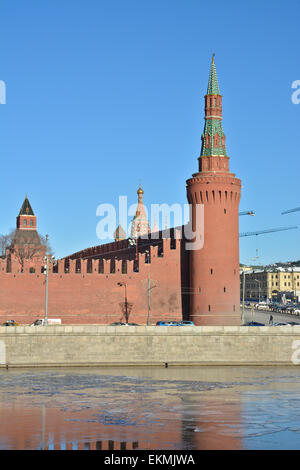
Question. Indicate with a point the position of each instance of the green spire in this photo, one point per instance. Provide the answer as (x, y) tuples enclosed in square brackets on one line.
[(213, 86), (213, 138), (26, 208)]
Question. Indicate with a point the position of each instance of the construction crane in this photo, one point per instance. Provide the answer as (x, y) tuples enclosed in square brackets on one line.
[(247, 213), (291, 210), (260, 232)]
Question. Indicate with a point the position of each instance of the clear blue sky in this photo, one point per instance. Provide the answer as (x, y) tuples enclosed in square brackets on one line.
[(102, 94)]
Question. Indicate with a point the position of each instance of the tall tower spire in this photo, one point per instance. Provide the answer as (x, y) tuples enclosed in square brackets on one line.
[(213, 137), (214, 268), (213, 86)]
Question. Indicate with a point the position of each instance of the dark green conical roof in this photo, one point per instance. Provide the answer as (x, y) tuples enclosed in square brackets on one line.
[(26, 208), (213, 85), (213, 126)]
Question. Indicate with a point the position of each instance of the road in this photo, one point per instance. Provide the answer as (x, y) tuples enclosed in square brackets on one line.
[(263, 316)]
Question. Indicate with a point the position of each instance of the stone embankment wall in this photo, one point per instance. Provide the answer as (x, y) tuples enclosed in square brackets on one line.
[(93, 345)]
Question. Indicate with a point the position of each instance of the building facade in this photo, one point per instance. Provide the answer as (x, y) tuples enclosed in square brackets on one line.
[(161, 277), (271, 283)]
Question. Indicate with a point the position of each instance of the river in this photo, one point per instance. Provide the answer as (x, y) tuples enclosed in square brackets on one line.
[(184, 408)]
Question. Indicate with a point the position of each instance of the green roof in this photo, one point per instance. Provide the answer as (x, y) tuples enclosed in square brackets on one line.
[(26, 208), (213, 86), (213, 126)]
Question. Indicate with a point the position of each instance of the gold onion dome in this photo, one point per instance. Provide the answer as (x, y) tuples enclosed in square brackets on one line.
[(140, 191)]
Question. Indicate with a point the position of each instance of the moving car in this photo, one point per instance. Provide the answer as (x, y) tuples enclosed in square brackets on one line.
[(254, 323), (186, 323)]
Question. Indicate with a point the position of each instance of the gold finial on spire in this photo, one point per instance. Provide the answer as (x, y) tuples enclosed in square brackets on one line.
[(140, 191), (213, 58)]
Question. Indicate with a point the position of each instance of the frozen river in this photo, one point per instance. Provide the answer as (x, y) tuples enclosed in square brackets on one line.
[(150, 408)]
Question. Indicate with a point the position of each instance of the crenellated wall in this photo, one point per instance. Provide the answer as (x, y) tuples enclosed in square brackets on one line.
[(88, 291)]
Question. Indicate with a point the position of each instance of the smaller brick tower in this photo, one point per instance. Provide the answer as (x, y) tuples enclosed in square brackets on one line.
[(214, 268), (140, 225), (26, 219), (26, 243)]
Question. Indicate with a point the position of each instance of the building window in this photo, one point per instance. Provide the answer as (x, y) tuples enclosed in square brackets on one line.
[(31, 222), (24, 222)]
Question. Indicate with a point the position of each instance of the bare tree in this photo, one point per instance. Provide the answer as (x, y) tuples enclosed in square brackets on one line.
[(24, 245)]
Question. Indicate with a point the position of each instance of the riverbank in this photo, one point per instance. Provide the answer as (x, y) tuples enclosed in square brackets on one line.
[(93, 345)]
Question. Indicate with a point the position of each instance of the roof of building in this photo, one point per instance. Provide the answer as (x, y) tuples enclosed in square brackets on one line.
[(26, 208), (213, 85), (119, 233), (272, 270)]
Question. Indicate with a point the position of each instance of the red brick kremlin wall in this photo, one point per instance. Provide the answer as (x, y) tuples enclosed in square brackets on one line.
[(92, 297)]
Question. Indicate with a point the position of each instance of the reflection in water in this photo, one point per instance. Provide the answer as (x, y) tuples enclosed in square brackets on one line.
[(145, 408)]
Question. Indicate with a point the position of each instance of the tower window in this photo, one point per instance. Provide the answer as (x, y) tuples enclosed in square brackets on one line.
[(224, 211), (24, 222), (209, 308), (211, 271), (31, 222), (224, 289), (215, 101)]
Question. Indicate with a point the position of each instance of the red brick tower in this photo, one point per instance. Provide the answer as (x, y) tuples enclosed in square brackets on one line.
[(26, 219), (214, 268), (26, 243)]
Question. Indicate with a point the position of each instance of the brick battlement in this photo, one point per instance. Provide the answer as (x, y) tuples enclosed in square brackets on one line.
[(88, 290)]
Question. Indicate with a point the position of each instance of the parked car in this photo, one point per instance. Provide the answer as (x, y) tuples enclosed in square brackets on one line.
[(262, 306), (290, 323), (186, 323), (254, 323), (168, 323), (10, 323), (118, 323), (50, 321), (37, 323), (133, 324)]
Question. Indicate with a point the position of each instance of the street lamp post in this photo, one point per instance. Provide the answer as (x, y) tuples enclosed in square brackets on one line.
[(256, 280), (243, 305), (126, 303), (46, 267), (46, 258), (149, 289)]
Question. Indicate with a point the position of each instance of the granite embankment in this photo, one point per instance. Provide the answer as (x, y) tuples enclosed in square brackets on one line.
[(94, 345)]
